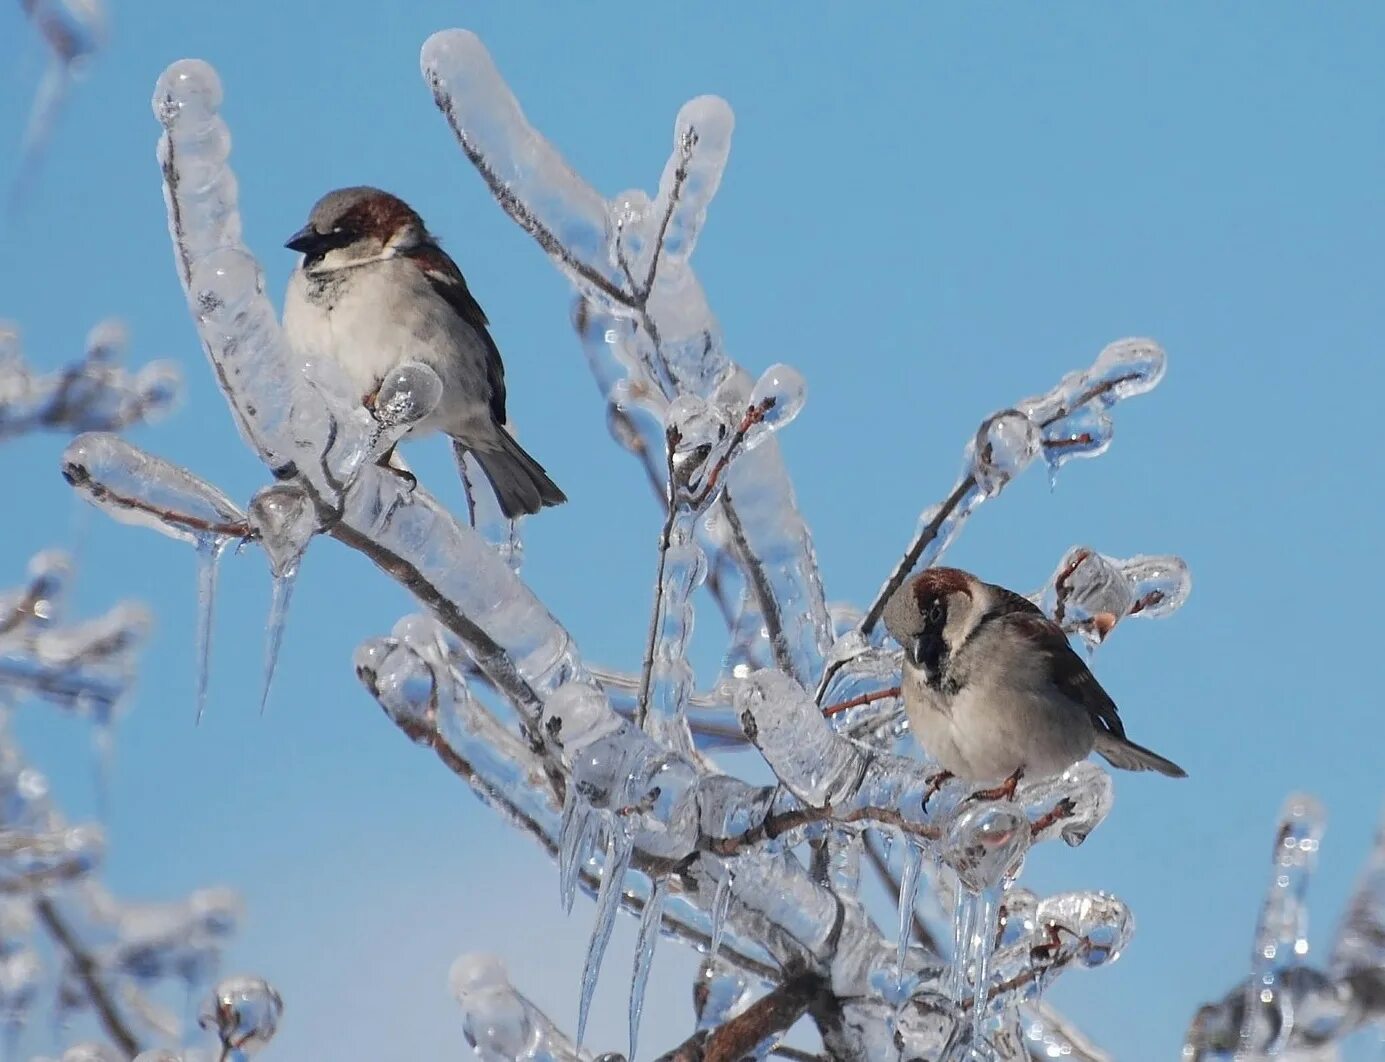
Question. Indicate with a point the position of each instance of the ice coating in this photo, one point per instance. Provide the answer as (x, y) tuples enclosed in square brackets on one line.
[(1089, 592), (244, 1012), (94, 394), (408, 394), (209, 550), (284, 520), (138, 488), (644, 958), (550, 751), (501, 1025), (291, 412), (629, 261), (1071, 421)]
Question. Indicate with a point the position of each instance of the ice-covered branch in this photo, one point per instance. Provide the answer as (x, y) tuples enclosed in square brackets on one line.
[(1071, 420), (94, 394), (629, 259), (1289, 1005)]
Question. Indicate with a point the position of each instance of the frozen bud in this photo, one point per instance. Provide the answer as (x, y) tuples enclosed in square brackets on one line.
[(283, 518), (1088, 594), (1128, 367), (577, 714), (244, 1012), (1005, 444), (222, 284), (498, 1024), (189, 90), (1093, 926), (696, 430), (1085, 432), (985, 844), (1018, 916), (403, 682), (777, 398), (1088, 793), (1161, 584), (107, 340), (409, 393)]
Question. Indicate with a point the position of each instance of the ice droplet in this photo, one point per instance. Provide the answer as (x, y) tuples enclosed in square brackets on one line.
[(780, 393), (409, 393), (189, 89), (619, 846), (209, 550), (1005, 444), (245, 1013), (498, 1024), (1129, 367), (644, 957)]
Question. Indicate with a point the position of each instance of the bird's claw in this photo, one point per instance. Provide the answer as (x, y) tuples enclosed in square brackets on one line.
[(1004, 791), (935, 782), (1064, 809)]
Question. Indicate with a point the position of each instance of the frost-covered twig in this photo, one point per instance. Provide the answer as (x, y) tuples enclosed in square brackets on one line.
[(92, 394), (88, 971), (739, 1037)]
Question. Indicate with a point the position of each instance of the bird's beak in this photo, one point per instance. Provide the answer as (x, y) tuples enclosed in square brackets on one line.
[(304, 240)]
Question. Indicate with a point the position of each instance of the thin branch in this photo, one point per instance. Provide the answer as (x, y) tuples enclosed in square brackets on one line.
[(773, 1013), (680, 176), (865, 698), (759, 583), (239, 529), (88, 972), (519, 210)]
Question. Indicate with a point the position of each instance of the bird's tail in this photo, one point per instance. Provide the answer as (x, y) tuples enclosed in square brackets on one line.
[(521, 485), (1128, 756)]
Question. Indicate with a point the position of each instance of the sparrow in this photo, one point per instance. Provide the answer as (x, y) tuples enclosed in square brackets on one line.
[(993, 690), (374, 289)]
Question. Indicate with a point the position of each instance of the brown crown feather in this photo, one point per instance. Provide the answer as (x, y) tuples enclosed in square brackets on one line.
[(939, 582)]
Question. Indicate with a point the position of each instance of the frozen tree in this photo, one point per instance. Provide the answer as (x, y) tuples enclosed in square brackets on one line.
[(619, 774), (67, 943)]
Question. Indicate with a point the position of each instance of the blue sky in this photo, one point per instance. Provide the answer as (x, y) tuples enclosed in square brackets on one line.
[(931, 212)]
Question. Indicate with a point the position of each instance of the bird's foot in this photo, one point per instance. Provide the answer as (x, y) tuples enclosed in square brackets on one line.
[(1064, 809), (1004, 791), (935, 782)]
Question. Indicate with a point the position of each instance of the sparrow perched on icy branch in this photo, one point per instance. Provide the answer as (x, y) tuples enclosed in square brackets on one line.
[(374, 289), (992, 688)]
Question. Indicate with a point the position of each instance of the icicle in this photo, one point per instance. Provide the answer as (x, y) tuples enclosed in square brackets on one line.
[(644, 957), (274, 634), (619, 846), (284, 521), (908, 894), (209, 548), (575, 837), (721, 903), (981, 946)]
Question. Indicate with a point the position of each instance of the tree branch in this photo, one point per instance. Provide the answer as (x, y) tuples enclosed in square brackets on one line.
[(89, 973)]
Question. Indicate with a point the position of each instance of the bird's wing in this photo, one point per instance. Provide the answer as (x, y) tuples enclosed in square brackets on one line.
[(447, 280), (1066, 670)]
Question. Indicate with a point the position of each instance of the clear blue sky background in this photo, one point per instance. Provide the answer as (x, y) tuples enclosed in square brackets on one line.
[(932, 212)]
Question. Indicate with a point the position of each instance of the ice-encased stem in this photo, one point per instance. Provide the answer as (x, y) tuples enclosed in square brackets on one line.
[(618, 851), (648, 938), (668, 677)]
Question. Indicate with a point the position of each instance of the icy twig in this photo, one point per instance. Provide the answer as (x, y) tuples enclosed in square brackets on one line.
[(1069, 421), (737, 1038), (1090, 593), (89, 972), (92, 394)]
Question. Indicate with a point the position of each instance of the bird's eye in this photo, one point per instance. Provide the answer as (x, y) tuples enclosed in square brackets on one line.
[(935, 612)]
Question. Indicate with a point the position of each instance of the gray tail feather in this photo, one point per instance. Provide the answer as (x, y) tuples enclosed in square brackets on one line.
[(1128, 756), (521, 485)]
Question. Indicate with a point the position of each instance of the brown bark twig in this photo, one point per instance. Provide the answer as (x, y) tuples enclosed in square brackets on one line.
[(88, 972)]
